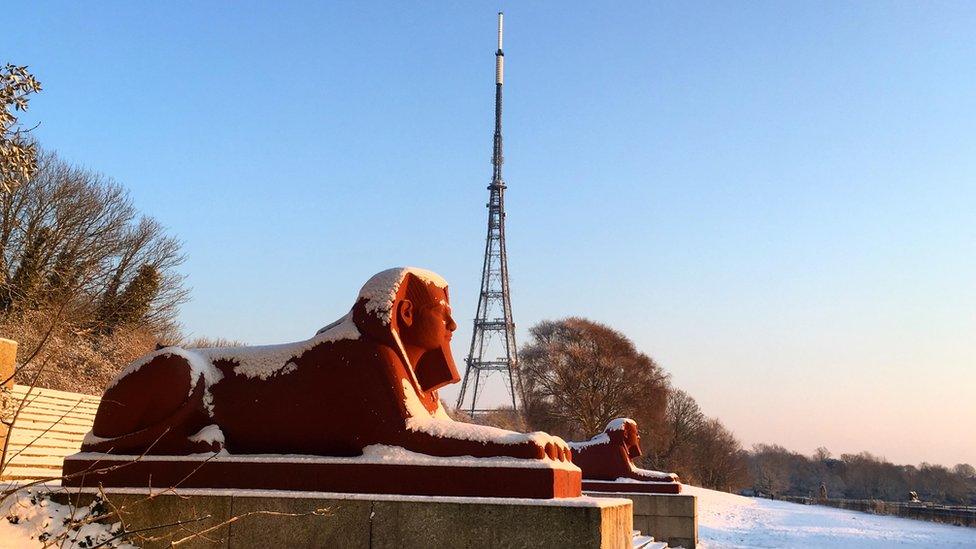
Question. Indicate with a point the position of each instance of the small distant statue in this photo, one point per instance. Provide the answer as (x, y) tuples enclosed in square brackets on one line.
[(370, 378), (609, 456), (823, 491)]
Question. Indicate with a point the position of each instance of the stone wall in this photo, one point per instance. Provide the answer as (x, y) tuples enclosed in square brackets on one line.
[(280, 519), (51, 425), (672, 518), (8, 355)]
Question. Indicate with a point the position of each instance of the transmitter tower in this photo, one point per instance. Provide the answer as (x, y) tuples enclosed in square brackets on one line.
[(493, 349)]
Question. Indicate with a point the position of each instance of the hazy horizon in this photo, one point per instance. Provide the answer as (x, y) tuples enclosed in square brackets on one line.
[(774, 201)]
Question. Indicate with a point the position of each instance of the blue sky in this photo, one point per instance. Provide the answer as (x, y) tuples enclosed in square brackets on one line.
[(774, 200)]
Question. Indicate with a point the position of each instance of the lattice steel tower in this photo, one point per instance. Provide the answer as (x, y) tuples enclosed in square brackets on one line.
[(493, 347)]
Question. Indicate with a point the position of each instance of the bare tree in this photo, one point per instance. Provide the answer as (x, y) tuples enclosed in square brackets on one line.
[(720, 460), (965, 470), (84, 275), (772, 467), (577, 375), (683, 420), (503, 418)]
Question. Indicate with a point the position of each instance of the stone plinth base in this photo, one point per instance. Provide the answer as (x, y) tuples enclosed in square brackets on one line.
[(251, 518), (8, 354), (633, 486), (425, 475), (672, 518)]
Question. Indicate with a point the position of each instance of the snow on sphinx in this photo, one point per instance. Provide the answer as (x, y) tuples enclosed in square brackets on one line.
[(370, 378)]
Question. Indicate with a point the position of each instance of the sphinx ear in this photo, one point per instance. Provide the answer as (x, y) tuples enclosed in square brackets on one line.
[(405, 312)]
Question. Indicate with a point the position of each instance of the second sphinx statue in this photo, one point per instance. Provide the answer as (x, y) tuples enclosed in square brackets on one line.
[(610, 455)]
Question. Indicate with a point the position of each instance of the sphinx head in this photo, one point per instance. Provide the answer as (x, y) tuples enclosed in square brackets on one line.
[(409, 309), (423, 321), (623, 431)]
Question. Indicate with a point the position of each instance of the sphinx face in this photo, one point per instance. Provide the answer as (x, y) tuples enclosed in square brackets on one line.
[(430, 330), (433, 326), (632, 440)]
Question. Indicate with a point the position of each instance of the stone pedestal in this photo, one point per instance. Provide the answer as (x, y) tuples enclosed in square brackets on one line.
[(8, 354), (415, 475), (672, 518), (632, 486), (252, 518)]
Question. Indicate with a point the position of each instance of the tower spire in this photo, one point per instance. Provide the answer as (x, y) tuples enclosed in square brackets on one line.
[(493, 347), (496, 157)]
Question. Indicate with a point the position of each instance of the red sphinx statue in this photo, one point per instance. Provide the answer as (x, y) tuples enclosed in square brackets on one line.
[(607, 462), (364, 389)]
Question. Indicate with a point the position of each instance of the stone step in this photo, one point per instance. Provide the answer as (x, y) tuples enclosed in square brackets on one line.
[(23, 474), (50, 425), (46, 416), (646, 542), (39, 449), (669, 518), (24, 459)]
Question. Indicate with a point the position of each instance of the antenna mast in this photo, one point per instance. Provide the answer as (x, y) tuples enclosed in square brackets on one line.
[(494, 328)]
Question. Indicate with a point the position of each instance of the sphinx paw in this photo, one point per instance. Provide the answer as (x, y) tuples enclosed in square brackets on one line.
[(556, 449)]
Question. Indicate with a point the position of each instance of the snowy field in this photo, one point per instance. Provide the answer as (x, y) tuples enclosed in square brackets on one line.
[(727, 520)]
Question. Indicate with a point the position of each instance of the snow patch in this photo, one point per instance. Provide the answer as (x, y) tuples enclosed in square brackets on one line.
[(260, 362), (29, 519), (380, 291), (91, 438), (655, 476), (376, 454), (381, 453), (199, 366), (581, 501), (440, 425), (211, 434), (619, 424), (659, 478), (602, 438), (264, 361)]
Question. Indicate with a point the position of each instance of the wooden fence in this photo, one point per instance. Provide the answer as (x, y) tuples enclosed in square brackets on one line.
[(50, 426), (960, 515)]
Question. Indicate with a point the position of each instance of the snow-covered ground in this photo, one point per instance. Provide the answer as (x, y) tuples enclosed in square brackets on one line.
[(727, 520), (29, 521)]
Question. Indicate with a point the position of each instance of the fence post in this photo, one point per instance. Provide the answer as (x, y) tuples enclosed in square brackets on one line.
[(8, 353)]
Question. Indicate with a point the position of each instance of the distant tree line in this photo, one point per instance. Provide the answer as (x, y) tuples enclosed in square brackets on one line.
[(575, 375), (776, 471)]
